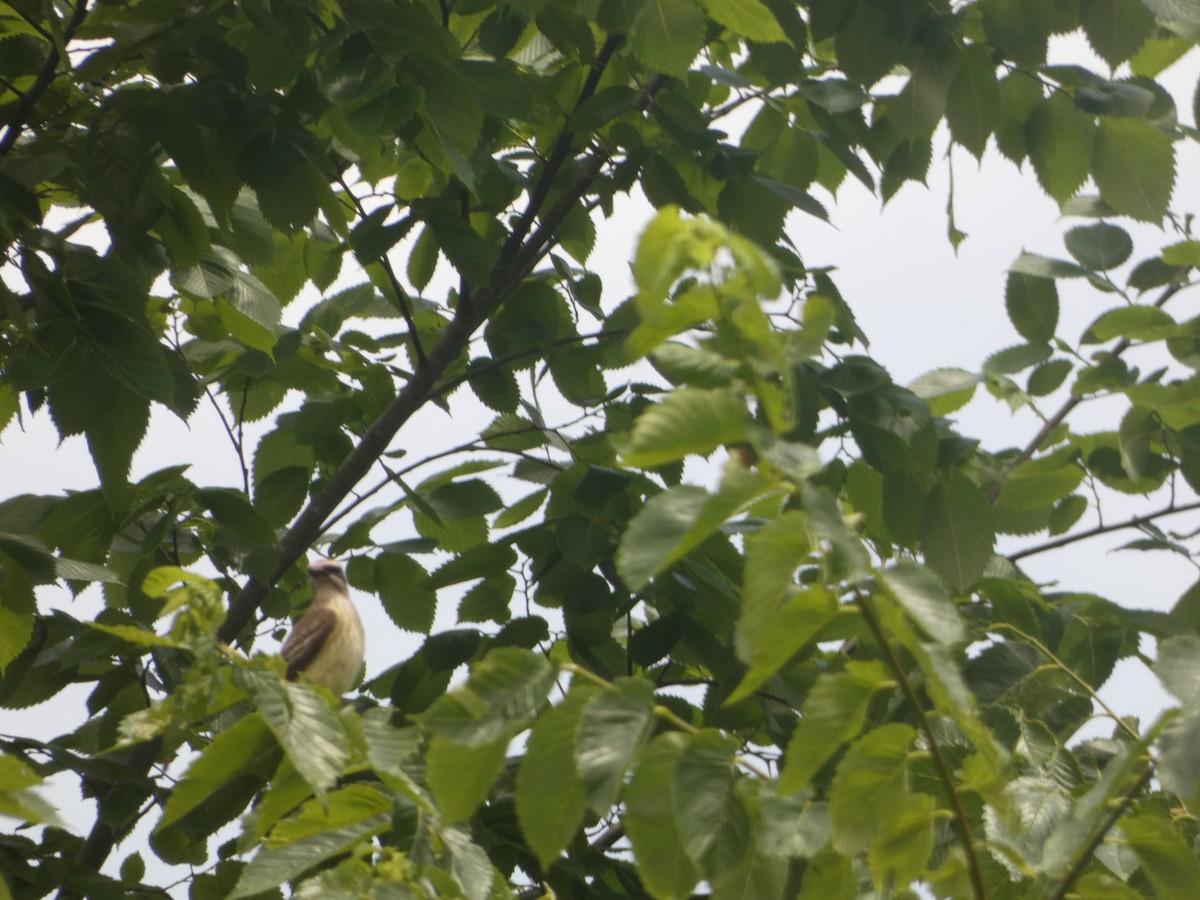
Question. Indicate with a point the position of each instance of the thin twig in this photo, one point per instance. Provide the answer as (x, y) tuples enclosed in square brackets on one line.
[(945, 775), (1102, 529), (1130, 732), (401, 295), (1063, 411)]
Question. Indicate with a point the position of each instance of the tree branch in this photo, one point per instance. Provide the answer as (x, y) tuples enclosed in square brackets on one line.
[(516, 260), (16, 125), (560, 151), (1102, 529), (1085, 855), (449, 386)]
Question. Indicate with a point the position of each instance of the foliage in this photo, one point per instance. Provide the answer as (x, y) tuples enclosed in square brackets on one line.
[(327, 216)]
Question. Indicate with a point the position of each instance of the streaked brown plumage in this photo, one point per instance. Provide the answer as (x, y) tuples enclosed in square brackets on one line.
[(327, 642)]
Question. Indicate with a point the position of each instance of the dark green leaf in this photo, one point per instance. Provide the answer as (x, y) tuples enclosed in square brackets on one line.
[(956, 531), (612, 728), (550, 794), (1099, 247), (1032, 304)]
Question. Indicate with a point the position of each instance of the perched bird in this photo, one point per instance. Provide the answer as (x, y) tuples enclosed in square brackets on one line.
[(326, 644)]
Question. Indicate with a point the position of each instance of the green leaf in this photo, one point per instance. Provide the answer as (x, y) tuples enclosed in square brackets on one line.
[(777, 618), (1179, 765), (346, 806), (1044, 267), (521, 509), (713, 823), (749, 19), (403, 587), (1011, 360), (681, 364), (1168, 862), (866, 44), (1186, 12), (689, 420), (461, 776), (901, 849), (478, 562), (471, 254), (673, 523), (217, 785), (1099, 247), (1135, 323), (384, 113), (1060, 139), (495, 385), (449, 102), (231, 510), (549, 792), (274, 866), (503, 695), (1020, 95), (17, 801), (833, 714), (488, 601), (1178, 666), (667, 35), (136, 635), (833, 94), (1116, 28), (423, 260), (651, 822), (973, 100), (800, 616), (1041, 482), (1032, 304), (301, 720), (1134, 168), (1183, 253), (946, 390), (871, 776), (1139, 426), (1067, 513), (612, 729), (925, 600), (16, 628), (1048, 377), (956, 532)]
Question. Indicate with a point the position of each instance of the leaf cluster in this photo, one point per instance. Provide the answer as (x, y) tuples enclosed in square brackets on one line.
[(821, 675)]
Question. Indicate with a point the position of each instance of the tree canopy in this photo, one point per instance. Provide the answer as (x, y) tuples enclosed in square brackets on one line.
[(815, 676)]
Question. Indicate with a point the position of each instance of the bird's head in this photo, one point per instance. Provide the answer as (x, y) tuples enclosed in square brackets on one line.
[(327, 574)]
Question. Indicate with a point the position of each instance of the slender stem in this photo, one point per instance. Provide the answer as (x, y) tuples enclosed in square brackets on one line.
[(1072, 674), (1085, 855), (1069, 405), (1134, 522), (945, 775), (401, 295)]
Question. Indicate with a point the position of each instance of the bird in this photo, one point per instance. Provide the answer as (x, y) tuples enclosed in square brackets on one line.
[(326, 644)]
